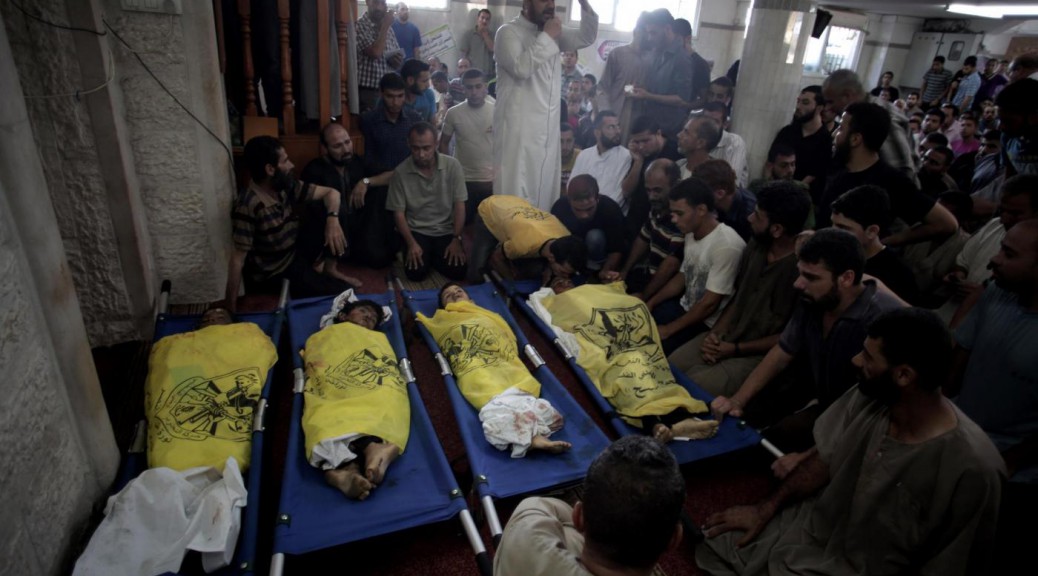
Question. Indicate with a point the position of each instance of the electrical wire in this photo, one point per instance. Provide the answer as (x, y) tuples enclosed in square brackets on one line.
[(81, 92), (230, 153), (55, 24)]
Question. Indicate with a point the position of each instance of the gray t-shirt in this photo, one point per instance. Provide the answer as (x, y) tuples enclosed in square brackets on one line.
[(473, 131), (427, 203)]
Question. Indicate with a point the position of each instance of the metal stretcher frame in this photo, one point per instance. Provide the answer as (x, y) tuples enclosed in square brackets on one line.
[(732, 434), (496, 473), (419, 487), (136, 460)]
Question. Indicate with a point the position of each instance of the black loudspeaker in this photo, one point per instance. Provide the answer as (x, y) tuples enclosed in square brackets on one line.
[(822, 19)]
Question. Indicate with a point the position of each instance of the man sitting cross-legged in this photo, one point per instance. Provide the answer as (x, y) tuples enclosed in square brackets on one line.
[(356, 416), (720, 360), (628, 516), (900, 482), (484, 355)]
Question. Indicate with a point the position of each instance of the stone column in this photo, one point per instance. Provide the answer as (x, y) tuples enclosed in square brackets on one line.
[(769, 74), (56, 444)]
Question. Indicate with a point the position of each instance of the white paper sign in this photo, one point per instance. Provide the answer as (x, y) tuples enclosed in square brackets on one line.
[(437, 41)]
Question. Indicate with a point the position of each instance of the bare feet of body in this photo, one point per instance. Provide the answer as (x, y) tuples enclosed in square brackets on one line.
[(378, 456), (331, 268), (349, 481), (552, 446), (691, 428)]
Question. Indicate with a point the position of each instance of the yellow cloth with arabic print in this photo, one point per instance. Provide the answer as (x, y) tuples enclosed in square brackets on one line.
[(482, 352), (518, 226), (200, 394), (353, 385), (620, 350)]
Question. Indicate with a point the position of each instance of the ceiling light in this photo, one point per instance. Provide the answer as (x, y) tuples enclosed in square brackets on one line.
[(995, 10)]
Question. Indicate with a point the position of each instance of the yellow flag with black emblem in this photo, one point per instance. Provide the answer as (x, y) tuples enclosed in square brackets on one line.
[(201, 391), (620, 350), (482, 352), (518, 226), (353, 386)]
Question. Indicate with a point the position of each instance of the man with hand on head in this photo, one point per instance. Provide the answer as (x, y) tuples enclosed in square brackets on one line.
[(377, 51), (529, 97)]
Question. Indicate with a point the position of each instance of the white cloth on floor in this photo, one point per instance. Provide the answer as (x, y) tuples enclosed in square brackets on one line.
[(331, 453), (514, 417), (340, 302), (569, 341), (151, 523)]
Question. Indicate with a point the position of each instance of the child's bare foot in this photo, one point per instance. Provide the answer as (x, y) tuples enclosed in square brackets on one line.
[(695, 429), (378, 456), (331, 268), (662, 433), (349, 481), (551, 446)]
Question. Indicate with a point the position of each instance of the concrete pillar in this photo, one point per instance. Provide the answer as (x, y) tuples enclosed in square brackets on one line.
[(769, 74), (875, 49), (56, 444)]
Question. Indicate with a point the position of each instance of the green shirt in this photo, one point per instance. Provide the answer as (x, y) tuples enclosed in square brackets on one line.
[(428, 203)]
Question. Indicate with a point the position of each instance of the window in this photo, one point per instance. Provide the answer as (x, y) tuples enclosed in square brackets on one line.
[(623, 14), (837, 48), (422, 4)]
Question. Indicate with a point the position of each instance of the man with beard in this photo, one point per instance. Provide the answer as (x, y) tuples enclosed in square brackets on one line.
[(608, 162), (377, 51), (934, 179), (646, 144), (265, 225), (810, 140), (1018, 118), (912, 105), (720, 360), (569, 151), (362, 185), (427, 196), (996, 351), (843, 88), (658, 237), (901, 481), (529, 97), (731, 148), (826, 330), (856, 150), (594, 219), (706, 279), (418, 97)]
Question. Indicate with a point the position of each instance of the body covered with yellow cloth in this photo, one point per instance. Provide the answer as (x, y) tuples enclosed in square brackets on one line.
[(200, 394), (482, 351), (353, 386), (518, 226), (620, 350)]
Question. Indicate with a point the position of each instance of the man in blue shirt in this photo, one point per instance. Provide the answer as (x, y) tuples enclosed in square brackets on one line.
[(968, 85), (419, 97), (407, 34)]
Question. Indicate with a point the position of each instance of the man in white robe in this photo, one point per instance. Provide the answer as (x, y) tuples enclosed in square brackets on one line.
[(526, 116)]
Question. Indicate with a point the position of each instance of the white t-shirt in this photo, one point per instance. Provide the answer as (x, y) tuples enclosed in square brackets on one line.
[(608, 170), (711, 264), (473, 131)]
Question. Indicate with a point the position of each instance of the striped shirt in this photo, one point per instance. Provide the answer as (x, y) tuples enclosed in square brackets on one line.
[(936, 84), (664, 239), (267, 230)]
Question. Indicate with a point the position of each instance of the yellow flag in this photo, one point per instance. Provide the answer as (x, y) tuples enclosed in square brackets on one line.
[(200, 394), (353, 385), (620, 350), (482, 352), (520, 227)]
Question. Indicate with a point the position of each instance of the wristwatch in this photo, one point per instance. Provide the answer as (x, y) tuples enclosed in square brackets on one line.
[(366, 181), (332, 215)]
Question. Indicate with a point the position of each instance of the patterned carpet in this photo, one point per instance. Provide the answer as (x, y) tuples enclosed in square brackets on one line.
[(439, 549)]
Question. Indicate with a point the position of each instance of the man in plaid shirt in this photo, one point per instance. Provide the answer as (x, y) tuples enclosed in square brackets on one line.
[(378, 50)]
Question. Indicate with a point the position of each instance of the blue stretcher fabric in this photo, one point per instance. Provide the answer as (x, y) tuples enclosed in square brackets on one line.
[(506, 476), (418, 489), (135, 463), (730, 435)]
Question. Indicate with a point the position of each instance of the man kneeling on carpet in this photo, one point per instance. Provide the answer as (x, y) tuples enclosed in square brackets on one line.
[(484, 356), (356, 415), (615, 340), (628, 516)]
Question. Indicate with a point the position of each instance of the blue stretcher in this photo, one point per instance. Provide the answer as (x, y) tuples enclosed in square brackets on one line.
[(136, 460), (732, 435), (419, 487), (496, 473)]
